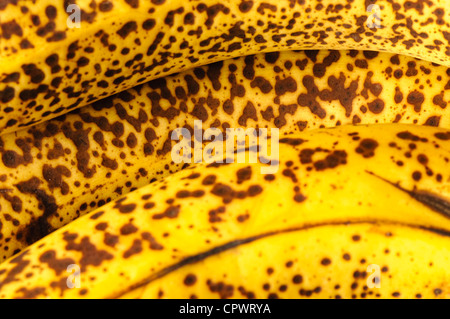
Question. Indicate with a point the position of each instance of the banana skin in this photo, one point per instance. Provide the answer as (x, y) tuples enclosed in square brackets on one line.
[(58, 170), (318, 261), (50, 66), (353, 195)]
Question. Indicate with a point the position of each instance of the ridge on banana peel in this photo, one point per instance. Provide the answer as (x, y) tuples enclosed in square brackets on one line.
[(58, 170), (354, 195), (51, 65)]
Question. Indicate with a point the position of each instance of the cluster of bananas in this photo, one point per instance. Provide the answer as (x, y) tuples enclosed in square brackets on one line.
[(93, 203)]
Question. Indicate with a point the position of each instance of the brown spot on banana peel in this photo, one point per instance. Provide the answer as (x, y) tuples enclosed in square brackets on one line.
[(239, 242), (20, 264), (434, 202), (39, 227)]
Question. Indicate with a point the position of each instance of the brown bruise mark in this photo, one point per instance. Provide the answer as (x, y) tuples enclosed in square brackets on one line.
[(80, 138), (244, 174), (209, 180), (171, 212), (190, 280), (54, 177), (20, 264), (58, 265), (282, 86), (15, 201), (443, 136), (128, 229), (124, 209), (225, 291), (101, 226), (213, 73), (150, 136), (438, 100), (135, 3), (416, 99), (11, 28), (261, 83), (332, 159), (31, 293), (249, 71), (228, 194), (367, 147), (105, 6), (406, 135), (154, 245), (90, 255), (109, 163), (214, 216), (110, 239), (12, 77), (319, 69), (325, 261), (243, 217), (309, 99), (249, 112), (7, 94), (96, 215), (433, 121), (339, 92), (135, 249), (39, 226), (185, 193), (127, 28), (376, 106), (292, 141), (56, 152), (12, 159), (36, 75)]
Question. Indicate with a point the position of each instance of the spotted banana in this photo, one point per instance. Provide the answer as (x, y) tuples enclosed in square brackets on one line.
[(322, 260), (341, 199), (56, 171), (55, 57)]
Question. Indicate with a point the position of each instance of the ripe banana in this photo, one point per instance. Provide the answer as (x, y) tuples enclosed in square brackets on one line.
[(58, 170), (341, 199), (50, 64), (316, 261)]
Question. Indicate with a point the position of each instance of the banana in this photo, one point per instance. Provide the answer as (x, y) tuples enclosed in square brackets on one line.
[(55, 58), (63, 168), (316, 261), (340, 199)]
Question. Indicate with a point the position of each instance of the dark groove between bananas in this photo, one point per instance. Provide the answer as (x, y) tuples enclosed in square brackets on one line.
[(239, 242)]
